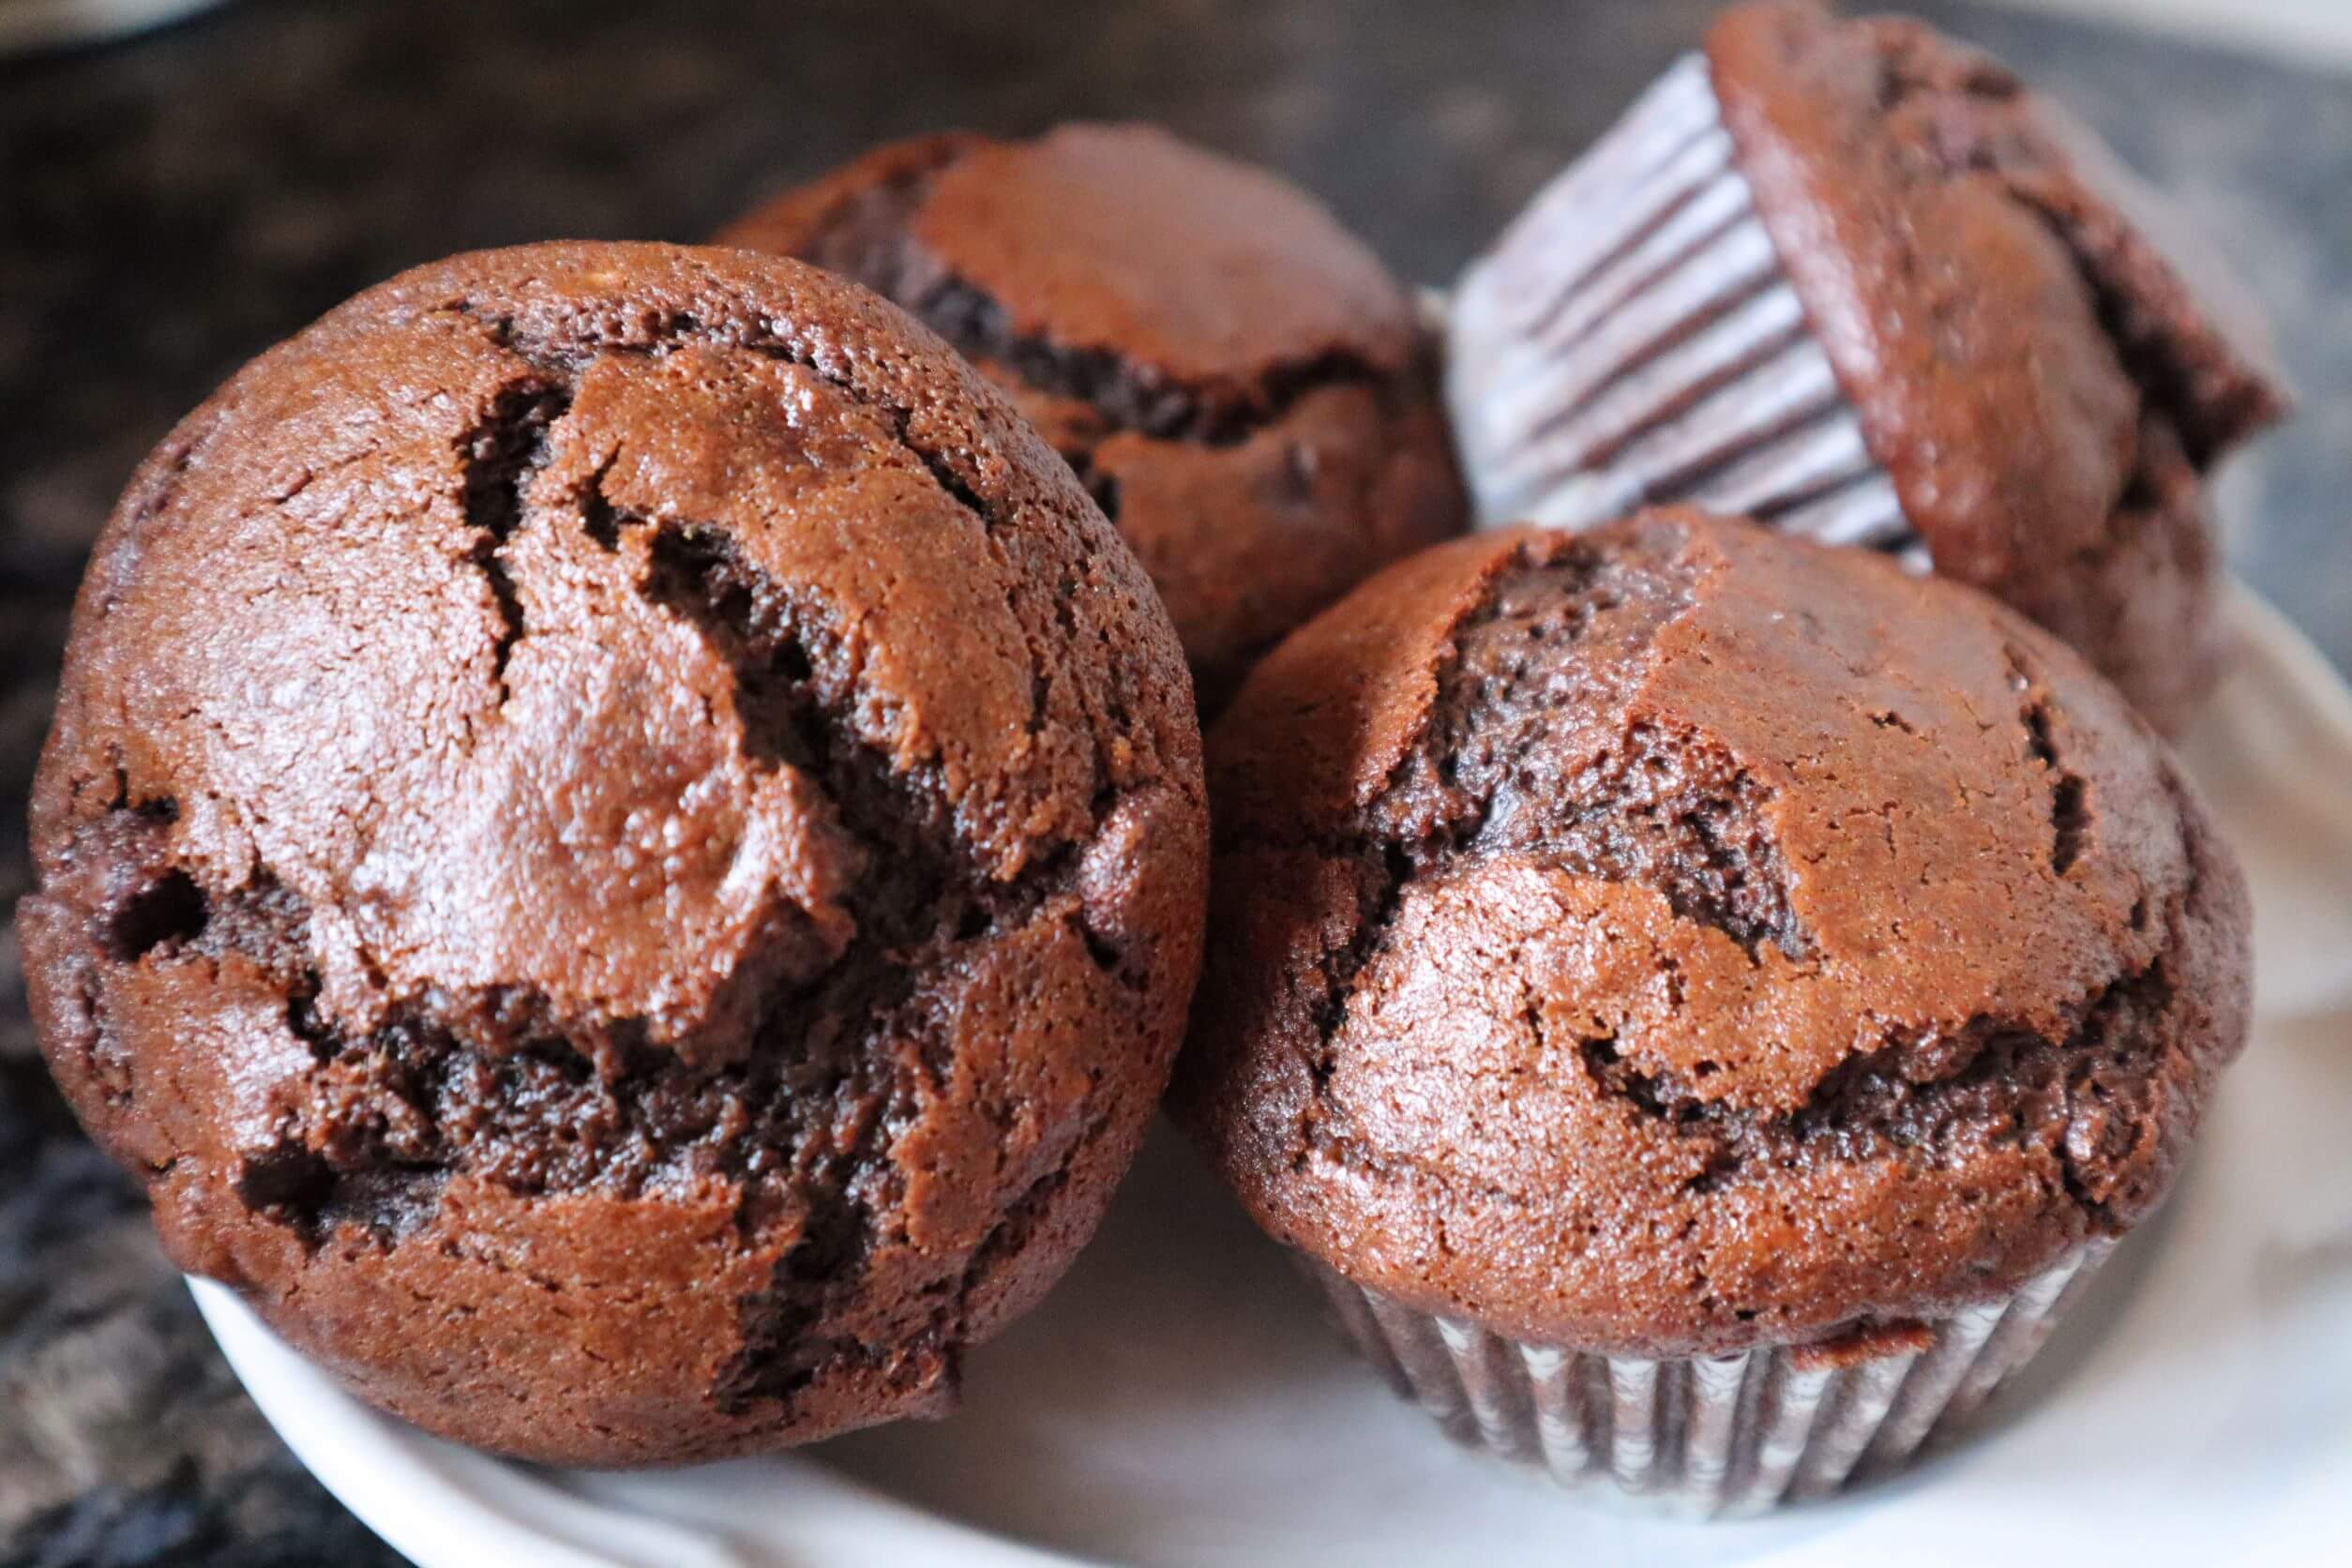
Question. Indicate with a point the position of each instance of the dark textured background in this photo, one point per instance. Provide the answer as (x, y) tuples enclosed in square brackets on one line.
[(172, 206)]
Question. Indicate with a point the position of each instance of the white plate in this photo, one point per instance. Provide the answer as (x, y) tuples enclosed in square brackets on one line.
[(1177, 1400)]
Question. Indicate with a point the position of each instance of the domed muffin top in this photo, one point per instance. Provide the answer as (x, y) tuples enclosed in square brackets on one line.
[(2043, 358), (1234, 376), (622, 845), (1674, 936), (1119, 239)]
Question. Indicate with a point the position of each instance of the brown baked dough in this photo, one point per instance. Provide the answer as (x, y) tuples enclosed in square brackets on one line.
[(622, 847), (1237, 379), (2043, 366), (1678, 937)]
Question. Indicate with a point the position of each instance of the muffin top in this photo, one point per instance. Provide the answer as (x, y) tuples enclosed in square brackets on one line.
[(623, 848), (1235, 377), (2008, 310), (1674, 937)]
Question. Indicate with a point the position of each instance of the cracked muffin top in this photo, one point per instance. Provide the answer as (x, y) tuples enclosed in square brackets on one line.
[(2044, 361), (623, 848), (1234, 376), (1676, 938)]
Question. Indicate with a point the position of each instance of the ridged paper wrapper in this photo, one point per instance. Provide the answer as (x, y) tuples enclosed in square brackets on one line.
[(1634, 339), (1719, 1435)]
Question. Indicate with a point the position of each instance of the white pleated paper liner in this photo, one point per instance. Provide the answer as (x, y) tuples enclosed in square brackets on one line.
[(1632, 339), (1723, 1435)]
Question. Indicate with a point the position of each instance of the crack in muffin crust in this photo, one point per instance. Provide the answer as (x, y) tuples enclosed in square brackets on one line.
[(1671, 811), (2070, 812), (499, 457), (1921, 1094), (865, 235)]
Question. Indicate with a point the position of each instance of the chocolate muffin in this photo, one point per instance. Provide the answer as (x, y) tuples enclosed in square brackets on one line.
[(1696, 996), (1855, 279), (622, 849), (1234, 376)]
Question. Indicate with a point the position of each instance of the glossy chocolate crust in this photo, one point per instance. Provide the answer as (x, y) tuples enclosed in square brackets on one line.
[(1234, 376), (1678, 937), (622, 848), (2031, 369)]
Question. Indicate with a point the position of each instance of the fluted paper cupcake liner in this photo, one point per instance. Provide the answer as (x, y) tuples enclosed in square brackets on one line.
[(1634, 339), (1721, 1435)]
